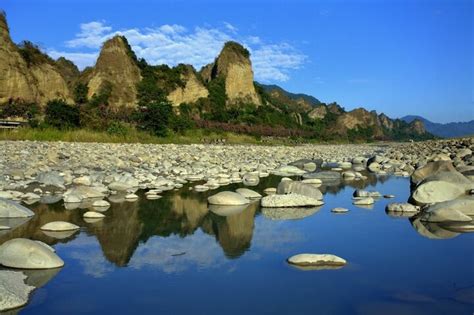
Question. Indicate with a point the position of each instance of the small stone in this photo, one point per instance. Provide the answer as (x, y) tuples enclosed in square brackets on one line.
[(364, 201), (339, 210), (317, 260), (93, 215)]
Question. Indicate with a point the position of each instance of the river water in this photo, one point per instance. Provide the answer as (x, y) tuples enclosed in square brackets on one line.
[(174, 256)]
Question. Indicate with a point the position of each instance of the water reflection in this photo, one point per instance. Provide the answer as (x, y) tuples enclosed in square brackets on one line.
[(175, 227)]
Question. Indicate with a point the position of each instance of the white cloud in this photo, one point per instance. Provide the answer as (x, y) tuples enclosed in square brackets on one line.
[(174, 44), (231, 27), (81, 60)]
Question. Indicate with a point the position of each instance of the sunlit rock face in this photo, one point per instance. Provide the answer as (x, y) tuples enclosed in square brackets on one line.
[(36, 80), (192, 91), (234, 66), (117, 70)]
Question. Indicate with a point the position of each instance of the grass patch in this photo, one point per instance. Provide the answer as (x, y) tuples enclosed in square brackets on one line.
[(131, 136)]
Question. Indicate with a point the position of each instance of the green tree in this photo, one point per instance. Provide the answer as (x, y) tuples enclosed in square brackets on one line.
[(80, 93), (61, 115)]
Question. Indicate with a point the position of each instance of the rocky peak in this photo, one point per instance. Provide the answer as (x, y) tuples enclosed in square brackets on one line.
[(386, 122), (116, 67), (417, 126), (234, 66), (4, 31), (192, 90), (68, 70), (27, 73)]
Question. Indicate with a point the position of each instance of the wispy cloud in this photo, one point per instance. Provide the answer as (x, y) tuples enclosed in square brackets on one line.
[(173, 44)]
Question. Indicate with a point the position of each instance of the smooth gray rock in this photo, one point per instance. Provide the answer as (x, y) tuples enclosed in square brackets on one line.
[(59, 226), (402, 207), (227, 198), (27, 254), (458, 210), (248, 193), (293, 187), (51, 178), (364, 201), (11, 209), (291, 200), (13, 290), (316, 260), (436, 191)]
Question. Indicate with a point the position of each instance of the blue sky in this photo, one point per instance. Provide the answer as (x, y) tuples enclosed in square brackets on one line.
[(397, 57)]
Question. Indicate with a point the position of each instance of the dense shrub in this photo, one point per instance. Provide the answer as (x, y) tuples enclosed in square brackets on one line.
[(155, 117), (19, 109), (60, 115), (80, 93)]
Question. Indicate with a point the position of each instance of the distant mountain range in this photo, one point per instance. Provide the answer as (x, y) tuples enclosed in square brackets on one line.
[(293, 96), (449, 130)]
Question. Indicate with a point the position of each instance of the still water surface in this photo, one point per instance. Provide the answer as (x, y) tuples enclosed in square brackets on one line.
[(174, 256)]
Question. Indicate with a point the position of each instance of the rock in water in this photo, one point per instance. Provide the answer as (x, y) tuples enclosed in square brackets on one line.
[(436, 191), (27, 254), (458, 210), (10, 209), (364, 201), (293, 187), (430, 169), (59, 226), (227, 198), (339, 210), (93, 215), (13, 290), (317, 260), (248, 193), (291, 200), (402, 207)]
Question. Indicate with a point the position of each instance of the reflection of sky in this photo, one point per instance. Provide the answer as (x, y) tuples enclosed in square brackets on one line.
[(201, 251), (88, 253)]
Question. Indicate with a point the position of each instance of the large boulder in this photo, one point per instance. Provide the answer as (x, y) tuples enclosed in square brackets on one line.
[(458, 210), (227, 198), (248, 193), (293, 187), (27, 254), (292, 200), (430, 169), (10, 209), (436, 191), (13, 290), (51, 178)]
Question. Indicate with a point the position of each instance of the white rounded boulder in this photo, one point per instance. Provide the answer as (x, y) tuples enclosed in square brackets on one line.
[(27, 254), (227, 198), (59, 226)]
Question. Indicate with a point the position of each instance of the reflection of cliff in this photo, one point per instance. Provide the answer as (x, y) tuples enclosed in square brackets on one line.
[(234, 233), (119, 233), (22, 227)]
